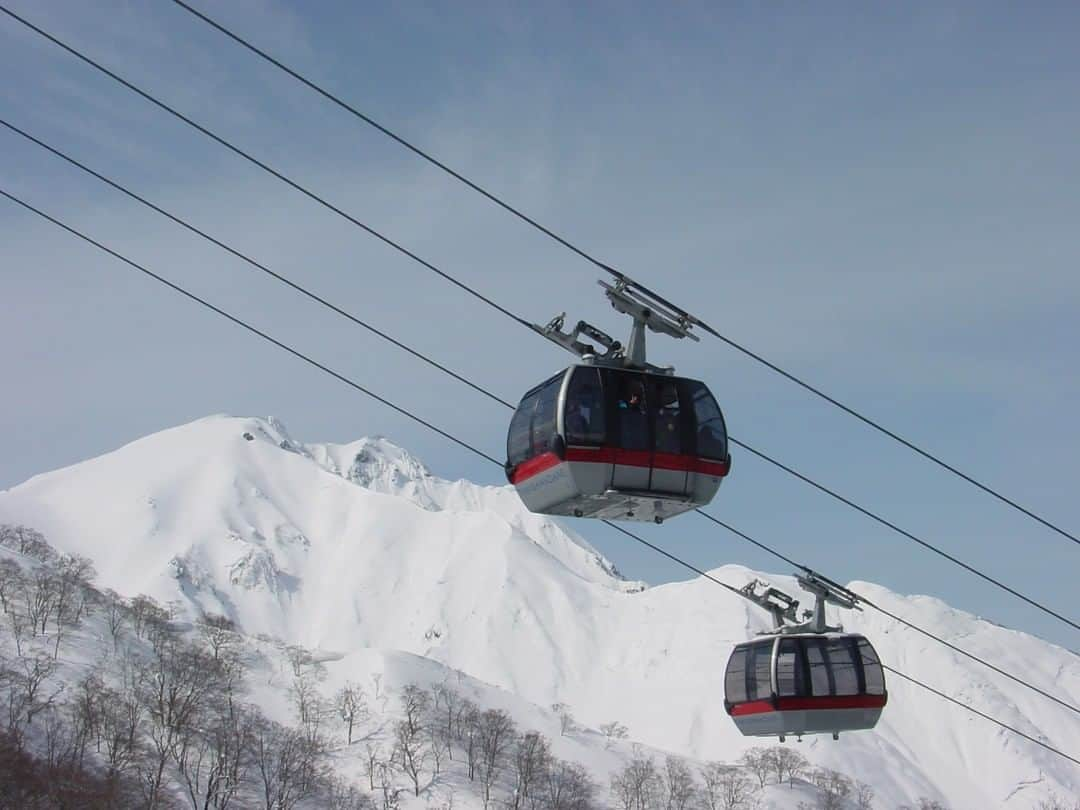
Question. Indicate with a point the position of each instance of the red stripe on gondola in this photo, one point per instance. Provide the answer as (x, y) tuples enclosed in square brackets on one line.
[(803, 704), (627, 458), (673, 461), (534, 466), (633, 458), (717, 468), (592, 455)]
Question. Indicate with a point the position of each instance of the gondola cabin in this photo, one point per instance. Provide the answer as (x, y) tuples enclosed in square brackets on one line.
[(617, 443), (804, 684)]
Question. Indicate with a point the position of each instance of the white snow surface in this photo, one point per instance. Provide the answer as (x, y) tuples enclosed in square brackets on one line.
[(358, 551)]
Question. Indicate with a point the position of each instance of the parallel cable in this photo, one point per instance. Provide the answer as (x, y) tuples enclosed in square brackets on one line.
[(485, 299), (334, 99), (399, 409), (257, 265), (265, 167), (905, 533), (973, 710), (481, 389), (244, 324), (486, 392), (899, 619)]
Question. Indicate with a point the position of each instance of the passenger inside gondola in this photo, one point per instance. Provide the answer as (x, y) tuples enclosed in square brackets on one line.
[(667, 419), (577, 421), (632, 416)]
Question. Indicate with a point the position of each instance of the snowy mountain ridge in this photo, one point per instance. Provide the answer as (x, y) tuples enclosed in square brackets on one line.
[(352, 547)]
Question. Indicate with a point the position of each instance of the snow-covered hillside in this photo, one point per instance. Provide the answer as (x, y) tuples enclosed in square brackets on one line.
[(357, 547)]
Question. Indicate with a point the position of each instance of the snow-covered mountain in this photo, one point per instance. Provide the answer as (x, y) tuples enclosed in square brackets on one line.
[(357, 547)]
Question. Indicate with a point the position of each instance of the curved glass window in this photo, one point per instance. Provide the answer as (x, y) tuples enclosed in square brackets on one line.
[(667, 418), (543, 423), (844, 665), (820, 676), (872, 672), (735, 676), (519, 440), (631, 410), (790, 670), (759, 674), (584, 419), (709, 422)]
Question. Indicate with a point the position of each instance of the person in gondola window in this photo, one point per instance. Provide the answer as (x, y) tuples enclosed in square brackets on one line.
[(635, 432), (577, 423)]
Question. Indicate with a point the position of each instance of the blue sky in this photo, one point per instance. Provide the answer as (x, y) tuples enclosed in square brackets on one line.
[(880, 199)]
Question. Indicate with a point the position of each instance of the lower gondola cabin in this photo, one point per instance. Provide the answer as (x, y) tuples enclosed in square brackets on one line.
[(790, 685)]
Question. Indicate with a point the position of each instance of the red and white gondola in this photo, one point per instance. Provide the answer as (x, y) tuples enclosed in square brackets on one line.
[(617, 443), (806, 683)]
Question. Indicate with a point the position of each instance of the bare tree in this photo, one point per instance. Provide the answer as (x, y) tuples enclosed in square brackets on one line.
[(759, 762), (638, 785), (834, 787), (496, 734), (39, 596), (286, 762), (785, 762), (32, 676), (115, 615), (409, 733), (147, 615), (214, 761), (307, 701), (76, 574), (566, 719), (409, 744), (219, 633), (27, 541), (532, 758), (391, 794), (679, 786), (121, 718), (435, 733), (448, 713), (174, 685), (568, 787), (1055, 802), (864, 796), (469, 731), (415, 703), (726, 787), (20, 624), (614, 731), (11, 582), (299, 659), (351, 705), (339, 794), (371, 760)]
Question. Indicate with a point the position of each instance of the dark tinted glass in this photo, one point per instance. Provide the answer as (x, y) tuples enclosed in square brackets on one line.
[(543, 423), (584, 419), (763, 671), (789, 669), (735, 676), (844, 665), (819, 666), (518, 442), (667, 418), (711, 434), (872, 672), (631, 410)]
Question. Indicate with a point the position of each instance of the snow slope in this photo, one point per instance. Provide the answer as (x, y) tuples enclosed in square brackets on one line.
[(357, 546)]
